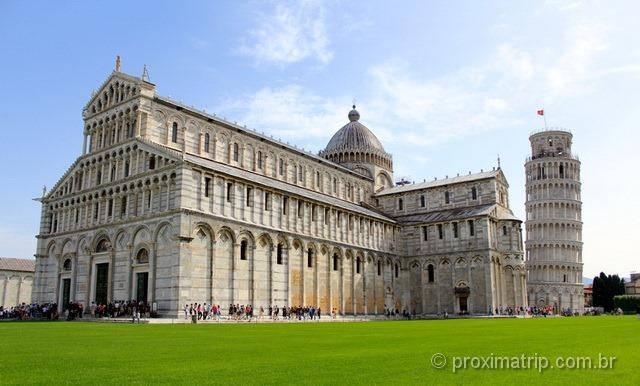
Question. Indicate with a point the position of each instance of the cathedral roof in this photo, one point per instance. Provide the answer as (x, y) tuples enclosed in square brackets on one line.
[(446, 181), (354, 136), (494, 210), (14, 264)]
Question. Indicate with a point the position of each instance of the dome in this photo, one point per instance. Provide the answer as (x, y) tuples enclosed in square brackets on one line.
[(357, 148), (354, 136)]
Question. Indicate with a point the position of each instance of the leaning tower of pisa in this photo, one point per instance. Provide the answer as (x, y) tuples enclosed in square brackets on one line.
[(554, 223)]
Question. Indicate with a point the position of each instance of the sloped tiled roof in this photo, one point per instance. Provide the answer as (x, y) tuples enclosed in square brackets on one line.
[(458, 214), (13, 264), (434, 183), (447, 215)]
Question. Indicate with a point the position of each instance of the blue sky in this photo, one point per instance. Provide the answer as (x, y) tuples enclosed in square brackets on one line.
[(446, 86)]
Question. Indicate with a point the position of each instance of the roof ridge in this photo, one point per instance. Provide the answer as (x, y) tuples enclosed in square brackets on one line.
[(439, 182)]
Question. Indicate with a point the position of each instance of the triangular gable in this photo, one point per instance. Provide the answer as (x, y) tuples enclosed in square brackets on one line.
[(501, 177), (108, 87)]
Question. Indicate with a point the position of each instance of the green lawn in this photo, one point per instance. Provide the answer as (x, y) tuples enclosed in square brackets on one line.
[(363, 352)]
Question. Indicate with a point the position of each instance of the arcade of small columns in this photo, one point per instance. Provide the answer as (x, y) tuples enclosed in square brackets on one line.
[(547, 168), (553, 190), (554, 211), (115, 94), (141, 195), (102, 132), (556, 273), (549, 230)]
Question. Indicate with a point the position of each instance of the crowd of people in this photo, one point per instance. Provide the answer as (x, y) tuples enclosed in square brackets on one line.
[(236, 312), (120, 309), (241, 312), (76, 310), (26, 311)]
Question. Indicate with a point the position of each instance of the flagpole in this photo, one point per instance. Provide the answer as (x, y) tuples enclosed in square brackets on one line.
[(545, 120)]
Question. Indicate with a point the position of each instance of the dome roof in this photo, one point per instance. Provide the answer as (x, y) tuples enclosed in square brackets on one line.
[(354, 136)]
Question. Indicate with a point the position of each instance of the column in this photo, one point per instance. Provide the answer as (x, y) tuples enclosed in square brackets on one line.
[(353, 284), (516, 284), (138, 122), (342, 286)]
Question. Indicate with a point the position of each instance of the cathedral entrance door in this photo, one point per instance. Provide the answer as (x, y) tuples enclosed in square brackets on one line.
[(463, 303), (102, 283), (142, 280), (66, 293)]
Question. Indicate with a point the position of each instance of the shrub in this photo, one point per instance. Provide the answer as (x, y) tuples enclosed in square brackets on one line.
[(628, 303)]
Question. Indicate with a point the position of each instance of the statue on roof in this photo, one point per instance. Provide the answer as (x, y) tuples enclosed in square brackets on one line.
[(118, 63)]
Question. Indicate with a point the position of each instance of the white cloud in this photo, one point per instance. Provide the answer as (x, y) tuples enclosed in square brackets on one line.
[(584, 40), (294, 32), (291, 112), (399, 107)]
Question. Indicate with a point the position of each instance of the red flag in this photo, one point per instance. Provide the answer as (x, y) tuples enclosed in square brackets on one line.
[(540, 112)]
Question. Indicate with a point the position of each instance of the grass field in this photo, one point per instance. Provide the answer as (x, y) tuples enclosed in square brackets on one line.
[(359, 352)]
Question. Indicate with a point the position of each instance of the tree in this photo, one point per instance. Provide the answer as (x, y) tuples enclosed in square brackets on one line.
[(605, 287)]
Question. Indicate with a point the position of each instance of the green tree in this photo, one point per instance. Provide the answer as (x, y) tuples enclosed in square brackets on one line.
[(605, 287)]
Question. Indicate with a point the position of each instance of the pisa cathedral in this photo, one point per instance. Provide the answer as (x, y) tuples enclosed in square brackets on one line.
[(170, 205)]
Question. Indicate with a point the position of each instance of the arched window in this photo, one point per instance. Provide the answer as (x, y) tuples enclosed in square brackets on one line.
[(310, 258), (236, 152), (335, 262), (279, 253), (206, 143), (379, 268), (142, 257), (66, 266), (397, 270), (103, 246), (174, 133), (152, 162), (430, 273), (358, 262), (243, 250)]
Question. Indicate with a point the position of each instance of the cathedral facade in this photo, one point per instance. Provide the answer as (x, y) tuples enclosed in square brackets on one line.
[(171, 205)]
